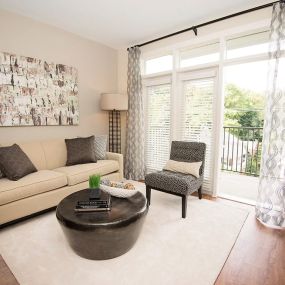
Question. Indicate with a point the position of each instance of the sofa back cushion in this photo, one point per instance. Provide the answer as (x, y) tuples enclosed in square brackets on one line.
[(46, 154), (34, 151), (55, 153)]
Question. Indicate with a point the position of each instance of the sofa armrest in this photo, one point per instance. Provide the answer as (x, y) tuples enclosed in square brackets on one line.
[(118, 157)]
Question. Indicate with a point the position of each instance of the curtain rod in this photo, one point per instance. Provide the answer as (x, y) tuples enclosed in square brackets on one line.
[(195, 28)]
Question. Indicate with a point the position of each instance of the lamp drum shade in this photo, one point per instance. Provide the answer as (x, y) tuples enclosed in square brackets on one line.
[(113, 101)]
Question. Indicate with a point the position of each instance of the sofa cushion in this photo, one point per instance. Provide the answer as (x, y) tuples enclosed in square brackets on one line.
[(32, 184), (35, 153), (14, 163), (81, 172), (55, 153)]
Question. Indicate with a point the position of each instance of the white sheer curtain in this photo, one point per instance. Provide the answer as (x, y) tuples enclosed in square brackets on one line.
[(270, 207)]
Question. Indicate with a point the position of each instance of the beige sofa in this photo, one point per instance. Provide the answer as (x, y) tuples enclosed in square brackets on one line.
[(53, 181)]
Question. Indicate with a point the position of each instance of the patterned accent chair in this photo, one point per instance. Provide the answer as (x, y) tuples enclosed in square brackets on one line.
[(177, 183)]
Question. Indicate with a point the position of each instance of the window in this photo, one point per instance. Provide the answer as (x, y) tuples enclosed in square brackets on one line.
[(238, 75), (190, 108), (245, 86), (193, 121), (247, 45), (200, 55), (158, 126), (159, 64)]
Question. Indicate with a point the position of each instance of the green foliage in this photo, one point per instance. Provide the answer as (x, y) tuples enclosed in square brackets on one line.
[(94, 181), (239, 99), (244, 108), (253, 162)]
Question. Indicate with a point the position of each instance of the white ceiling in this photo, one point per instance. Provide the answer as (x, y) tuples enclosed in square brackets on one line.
[(122, 23)]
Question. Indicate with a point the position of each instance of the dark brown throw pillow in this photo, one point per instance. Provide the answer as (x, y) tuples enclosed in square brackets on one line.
[(80, 150), (14, 163), (2, 175)]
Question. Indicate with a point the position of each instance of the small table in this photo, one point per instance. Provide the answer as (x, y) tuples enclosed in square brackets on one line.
[(102, 235)]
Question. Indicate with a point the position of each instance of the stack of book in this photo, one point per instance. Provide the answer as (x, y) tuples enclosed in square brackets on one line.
[(102, 204)]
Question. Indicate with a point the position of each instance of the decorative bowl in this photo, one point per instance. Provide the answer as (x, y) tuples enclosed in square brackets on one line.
[(118, 192)]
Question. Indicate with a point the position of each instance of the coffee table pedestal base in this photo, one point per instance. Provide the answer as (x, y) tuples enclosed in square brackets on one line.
[(104, 242)]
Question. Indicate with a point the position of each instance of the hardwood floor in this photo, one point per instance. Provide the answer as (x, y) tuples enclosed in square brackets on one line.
[(6, 276), (258, 256)]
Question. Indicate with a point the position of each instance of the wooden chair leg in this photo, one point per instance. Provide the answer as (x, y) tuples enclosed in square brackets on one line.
[(200, 193), (148, 194), (184, 206)]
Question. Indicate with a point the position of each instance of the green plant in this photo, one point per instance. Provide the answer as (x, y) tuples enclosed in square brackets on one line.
[(243, 108), (94, 181), (253, 162)]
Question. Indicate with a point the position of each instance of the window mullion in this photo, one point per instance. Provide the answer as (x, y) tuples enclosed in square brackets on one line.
[(174, 94)]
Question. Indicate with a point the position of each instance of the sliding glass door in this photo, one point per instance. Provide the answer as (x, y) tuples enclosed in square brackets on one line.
[(197, 121), (187, 115)]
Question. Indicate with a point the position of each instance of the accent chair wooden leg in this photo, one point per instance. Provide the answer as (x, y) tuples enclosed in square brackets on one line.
[(148, 194), (184, 206), (200, 193)]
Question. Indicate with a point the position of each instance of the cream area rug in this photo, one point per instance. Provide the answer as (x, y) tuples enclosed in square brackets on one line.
[(170, 250)]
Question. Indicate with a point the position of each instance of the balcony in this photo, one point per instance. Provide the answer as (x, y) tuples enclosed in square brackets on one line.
[(240, 163)]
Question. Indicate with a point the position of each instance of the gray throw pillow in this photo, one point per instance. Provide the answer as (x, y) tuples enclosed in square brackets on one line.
[(80, 150), (14, 163), (101, 146)]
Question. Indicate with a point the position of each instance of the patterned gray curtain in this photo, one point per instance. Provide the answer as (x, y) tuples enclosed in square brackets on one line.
[(134, 161), (270, 207)]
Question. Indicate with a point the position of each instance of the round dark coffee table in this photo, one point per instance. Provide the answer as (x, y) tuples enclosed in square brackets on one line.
[(102, 235)]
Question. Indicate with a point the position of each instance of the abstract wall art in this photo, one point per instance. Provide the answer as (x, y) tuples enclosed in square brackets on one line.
[(34, 92)]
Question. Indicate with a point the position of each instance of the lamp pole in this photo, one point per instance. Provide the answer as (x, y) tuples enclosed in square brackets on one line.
[(114, 103)]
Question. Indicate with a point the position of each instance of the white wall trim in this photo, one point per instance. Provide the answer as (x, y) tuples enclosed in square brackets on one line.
[(231, 32)]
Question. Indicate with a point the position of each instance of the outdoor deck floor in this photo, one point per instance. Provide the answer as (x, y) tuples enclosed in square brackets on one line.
[(242, 187)]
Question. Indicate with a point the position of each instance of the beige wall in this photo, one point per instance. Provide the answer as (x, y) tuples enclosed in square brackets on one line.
[(122, 88), (96, 64), (101, 69)]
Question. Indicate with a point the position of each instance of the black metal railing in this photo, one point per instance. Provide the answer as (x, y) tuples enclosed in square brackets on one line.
[(242, 150)]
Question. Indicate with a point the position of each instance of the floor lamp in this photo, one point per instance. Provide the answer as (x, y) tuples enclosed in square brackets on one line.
[(114, 103)]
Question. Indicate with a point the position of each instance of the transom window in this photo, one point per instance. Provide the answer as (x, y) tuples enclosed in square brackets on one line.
[(159, 64), (200, 55), (253, 44)]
